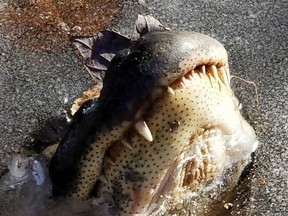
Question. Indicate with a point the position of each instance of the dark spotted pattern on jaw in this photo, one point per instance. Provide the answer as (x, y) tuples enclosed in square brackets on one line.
[(196, 108), (166, 120)]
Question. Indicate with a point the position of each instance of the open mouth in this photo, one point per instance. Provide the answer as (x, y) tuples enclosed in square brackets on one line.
[(181, 142), (167, 123)]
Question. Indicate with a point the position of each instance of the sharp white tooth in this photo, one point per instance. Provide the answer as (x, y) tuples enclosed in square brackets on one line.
[(143, 129), (182, 85), (215, 72), (203, 69), (126, 144), (190, 77), (170, 90), (224, 77), (103, 179), (185, 82)]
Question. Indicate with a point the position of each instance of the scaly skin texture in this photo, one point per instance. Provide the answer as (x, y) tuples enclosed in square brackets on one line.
[(166, 124)]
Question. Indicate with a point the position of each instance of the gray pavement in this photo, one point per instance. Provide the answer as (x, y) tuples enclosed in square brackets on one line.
[(34, 85)]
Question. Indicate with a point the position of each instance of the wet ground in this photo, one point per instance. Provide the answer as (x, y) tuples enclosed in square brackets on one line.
[(38, 84)]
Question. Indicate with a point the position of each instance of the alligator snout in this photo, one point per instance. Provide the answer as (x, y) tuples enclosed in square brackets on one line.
[(166, 125)]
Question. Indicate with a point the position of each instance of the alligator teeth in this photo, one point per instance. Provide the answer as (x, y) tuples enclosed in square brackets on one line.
[(184, 82), (182, 85), (170, 90), (189, 77), (201, 75), (215, 72), (143, 129), (203, 69), (223, 75), (103, 179), (126, 144)]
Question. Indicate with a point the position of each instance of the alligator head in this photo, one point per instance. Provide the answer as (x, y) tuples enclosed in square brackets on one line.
[(166, 125)]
